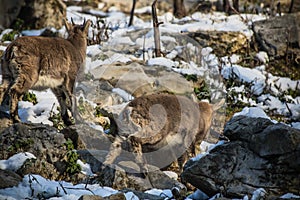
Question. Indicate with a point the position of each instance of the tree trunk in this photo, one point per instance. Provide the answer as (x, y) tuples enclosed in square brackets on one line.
[(132, 13), (178, 8)]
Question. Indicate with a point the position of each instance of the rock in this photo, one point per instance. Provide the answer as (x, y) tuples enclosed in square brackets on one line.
[(139, 80), (34, 14), (53, 12), (143, 195), (223, 42), (260, 154), (85, 137), (45, 143), (9, 179), (125, 174), (274, 33), (6, 8), (117, 196)]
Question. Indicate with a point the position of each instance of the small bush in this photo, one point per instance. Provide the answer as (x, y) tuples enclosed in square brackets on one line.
[(31, 97), (72, 157)]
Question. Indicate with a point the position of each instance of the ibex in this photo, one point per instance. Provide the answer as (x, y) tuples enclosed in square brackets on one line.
[(34, 62), (162, 128)]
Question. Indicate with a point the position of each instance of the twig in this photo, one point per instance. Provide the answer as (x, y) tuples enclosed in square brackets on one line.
[(62, 188), (71, 188), (287, 106), (156, 30), (144, 50)]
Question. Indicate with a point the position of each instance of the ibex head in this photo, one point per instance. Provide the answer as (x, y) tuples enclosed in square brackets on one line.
[(73, 28)]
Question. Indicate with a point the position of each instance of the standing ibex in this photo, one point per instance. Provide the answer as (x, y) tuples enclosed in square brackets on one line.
[(38, 63), (162, 128)]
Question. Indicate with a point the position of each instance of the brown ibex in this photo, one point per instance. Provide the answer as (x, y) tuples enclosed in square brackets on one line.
[(35, 62), (162, 128)]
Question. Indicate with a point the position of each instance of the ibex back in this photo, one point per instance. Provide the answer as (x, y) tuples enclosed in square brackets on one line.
[(38, 63)]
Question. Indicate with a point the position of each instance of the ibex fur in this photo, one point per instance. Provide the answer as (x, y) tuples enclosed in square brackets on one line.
[(34, 62)]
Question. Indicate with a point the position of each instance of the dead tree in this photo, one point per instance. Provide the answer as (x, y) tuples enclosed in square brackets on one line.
[(231, 9), (156, 30), (179, 8), (132, 13)]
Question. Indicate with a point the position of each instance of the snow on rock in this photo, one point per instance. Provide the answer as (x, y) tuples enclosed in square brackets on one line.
[(252, 112), (262, 56), (121, 40), (85, 168), (159, 192), (198, 195), (296, 125), (274, 103), (35, 186), (131, 196), (143, 10), (93, 50), (16, 161), (247, 75), (40, 112), (290, 196), (171, 174), (161, 61), (260, 193), (122, 93)]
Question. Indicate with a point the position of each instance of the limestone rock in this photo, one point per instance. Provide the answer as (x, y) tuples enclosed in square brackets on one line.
[(139, 80), (274, 33), (260, 154)]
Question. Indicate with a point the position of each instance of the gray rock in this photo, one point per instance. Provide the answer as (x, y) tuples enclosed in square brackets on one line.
[(260, 155), (139, 80), (85, 137), (123, 176), (272, 34), (9, 179), (43, 141)]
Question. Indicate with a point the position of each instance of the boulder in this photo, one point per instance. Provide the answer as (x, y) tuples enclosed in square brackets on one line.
[(274, 34), (139, 80), (260, 154), (46, 143), (126, 174)]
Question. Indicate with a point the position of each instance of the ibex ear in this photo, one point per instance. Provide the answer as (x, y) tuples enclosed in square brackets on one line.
[(87, 25), (68, 25)]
